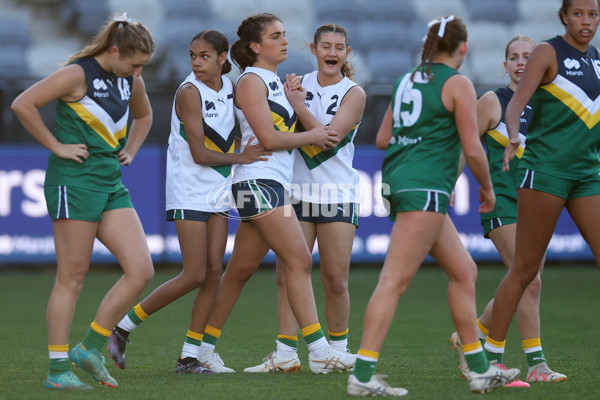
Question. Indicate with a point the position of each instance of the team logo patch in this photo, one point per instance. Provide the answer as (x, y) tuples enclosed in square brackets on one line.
[(571, 63), (273, 85)]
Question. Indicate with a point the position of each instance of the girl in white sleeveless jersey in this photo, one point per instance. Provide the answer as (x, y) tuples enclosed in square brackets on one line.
[(324, 190), (198, 183)]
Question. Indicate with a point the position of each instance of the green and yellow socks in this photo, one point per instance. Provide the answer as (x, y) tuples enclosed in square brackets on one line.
[(366, 361), (339, 340), (533, 351), (59, 359), (209, 339), (475, 357), (96, 337), (132, 320), (191, 345), (315, 340), (495, 350), (287, 346)]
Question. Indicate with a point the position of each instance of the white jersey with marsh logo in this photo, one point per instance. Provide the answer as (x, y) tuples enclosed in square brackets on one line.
[(280, 164), (326, 176), (192, 186)]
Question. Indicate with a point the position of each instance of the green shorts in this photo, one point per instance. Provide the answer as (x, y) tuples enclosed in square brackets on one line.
[(71, 202), (561, 187), (417, 200), (504, 213)]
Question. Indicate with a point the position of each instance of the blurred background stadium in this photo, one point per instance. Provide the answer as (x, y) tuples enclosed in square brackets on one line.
[(38, 35)]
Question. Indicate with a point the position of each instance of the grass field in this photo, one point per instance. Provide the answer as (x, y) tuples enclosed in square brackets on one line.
[(416, 354)]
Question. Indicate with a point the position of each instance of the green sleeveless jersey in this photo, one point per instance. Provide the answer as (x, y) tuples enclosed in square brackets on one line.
[(563, 139), (425, 147), (98, 120)]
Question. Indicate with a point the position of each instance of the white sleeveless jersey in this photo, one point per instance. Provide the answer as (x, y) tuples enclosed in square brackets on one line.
[(326, 176), (192, 186), (279, 166)]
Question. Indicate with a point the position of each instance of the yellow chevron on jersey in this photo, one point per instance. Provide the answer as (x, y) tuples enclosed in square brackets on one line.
[(282, 121), (311, 150), (314, 156), (212, 146), (208, 142), (500, 135), (99, 120), (576, 99)]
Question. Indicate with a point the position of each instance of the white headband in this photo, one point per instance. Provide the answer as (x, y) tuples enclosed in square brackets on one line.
[(443, 22)]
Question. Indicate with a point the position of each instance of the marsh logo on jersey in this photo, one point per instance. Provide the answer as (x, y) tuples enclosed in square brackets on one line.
[(209, 105), (309, 97), (100, 87), (571, 64), (274, 86)]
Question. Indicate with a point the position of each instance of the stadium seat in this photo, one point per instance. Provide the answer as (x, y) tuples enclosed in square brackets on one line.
[(505, 11), (298, 62), (87, 16), (14, 32), (174, 59), (387, 66), (430, 9), (177, 9), (13, 62), (389, 34), (390, 10)]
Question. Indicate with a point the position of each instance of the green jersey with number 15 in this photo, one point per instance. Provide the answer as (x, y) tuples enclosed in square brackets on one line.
[(424, 150)]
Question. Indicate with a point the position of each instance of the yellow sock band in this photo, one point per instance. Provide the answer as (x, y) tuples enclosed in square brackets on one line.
[(100, 330), (471, 347), (212, 331), (529, 343), (482, 328), (308, 330), (58, 347), (496, 343), (368, 353), (288, 337), (338, 333), (139, 312), (195, 335)]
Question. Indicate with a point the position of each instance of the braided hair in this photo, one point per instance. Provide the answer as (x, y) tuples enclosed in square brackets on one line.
[(444, 36)]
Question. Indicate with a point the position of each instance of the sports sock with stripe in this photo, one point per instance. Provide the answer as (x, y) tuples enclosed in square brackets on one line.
[(287, 346), (533, 351), (96, 337), (59, 359), (339, 340), (191, 345), (133, 319), (494, 350), (366, 361), (315, 339), (476, 359)]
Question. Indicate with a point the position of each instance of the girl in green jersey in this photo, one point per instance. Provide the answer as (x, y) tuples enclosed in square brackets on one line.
[(560, 165), (432, 115), (84, 194)]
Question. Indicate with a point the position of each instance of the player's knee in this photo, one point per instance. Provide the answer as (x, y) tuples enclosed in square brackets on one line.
[(335, 284), (535, 287)]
